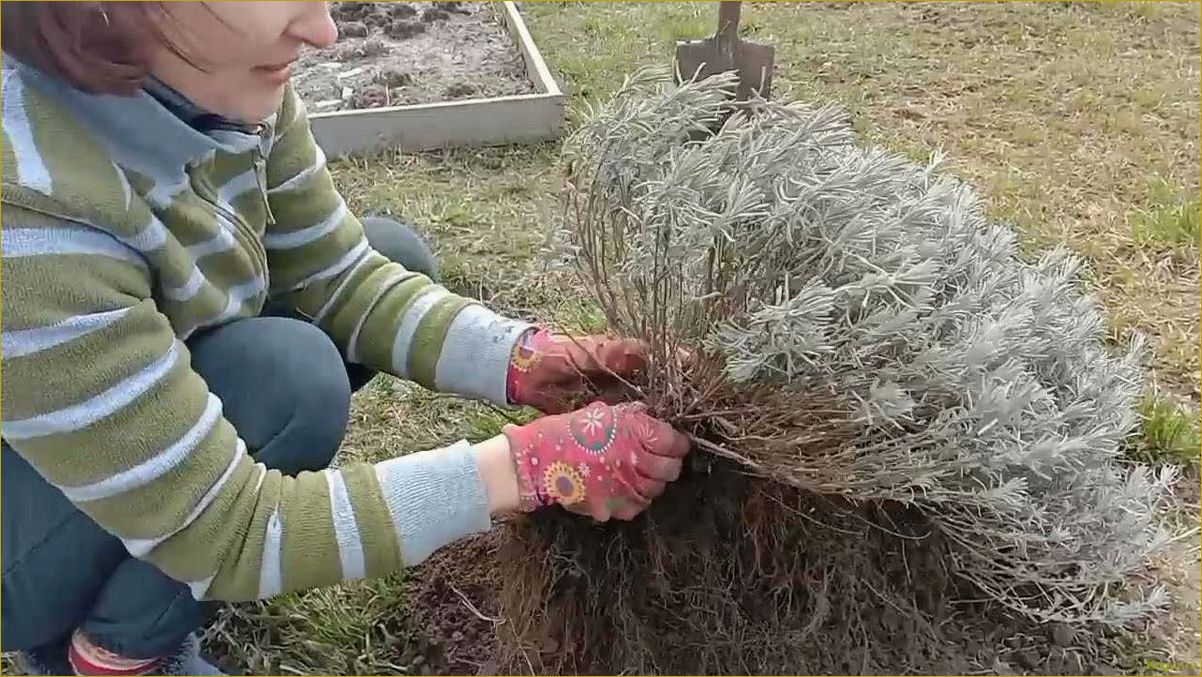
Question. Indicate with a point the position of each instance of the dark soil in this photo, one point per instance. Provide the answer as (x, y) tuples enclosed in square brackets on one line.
[(399, 53), (461, 641)]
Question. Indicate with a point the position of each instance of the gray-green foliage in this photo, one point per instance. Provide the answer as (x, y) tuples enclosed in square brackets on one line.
[(976, 384)]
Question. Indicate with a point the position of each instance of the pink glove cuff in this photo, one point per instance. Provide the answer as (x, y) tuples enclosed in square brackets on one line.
[(525, 356)]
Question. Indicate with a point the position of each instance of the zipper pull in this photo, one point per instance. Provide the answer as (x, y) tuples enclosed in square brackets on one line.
[(261, 183), (267, 206)]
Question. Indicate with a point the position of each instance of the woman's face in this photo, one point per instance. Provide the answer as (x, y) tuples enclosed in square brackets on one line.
[(242, 52)]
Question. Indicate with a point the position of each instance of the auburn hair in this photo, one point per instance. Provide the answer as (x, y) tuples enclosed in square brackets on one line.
[(97, 47)]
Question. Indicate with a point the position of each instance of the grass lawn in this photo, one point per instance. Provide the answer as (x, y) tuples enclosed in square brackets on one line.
[(1079, 124)]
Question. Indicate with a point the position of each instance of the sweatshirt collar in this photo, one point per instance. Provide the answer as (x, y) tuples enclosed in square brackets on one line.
[(158, 131), (196, 117)]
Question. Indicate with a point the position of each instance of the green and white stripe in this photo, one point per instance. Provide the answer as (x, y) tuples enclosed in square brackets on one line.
[(125, 231)]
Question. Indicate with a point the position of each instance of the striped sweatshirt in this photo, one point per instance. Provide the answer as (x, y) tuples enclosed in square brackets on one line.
[(126, 230)]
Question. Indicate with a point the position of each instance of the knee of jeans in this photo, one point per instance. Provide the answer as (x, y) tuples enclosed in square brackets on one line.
[(401, 243), (285, 387), (317, 427), (320, 395)]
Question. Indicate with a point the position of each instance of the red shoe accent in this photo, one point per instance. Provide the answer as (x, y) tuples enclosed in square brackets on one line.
[(88, 659)]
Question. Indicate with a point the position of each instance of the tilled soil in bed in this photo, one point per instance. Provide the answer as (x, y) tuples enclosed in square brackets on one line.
[(400, 53)]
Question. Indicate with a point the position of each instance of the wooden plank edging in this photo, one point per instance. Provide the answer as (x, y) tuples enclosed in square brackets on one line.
[(498, 120), (536, 67)]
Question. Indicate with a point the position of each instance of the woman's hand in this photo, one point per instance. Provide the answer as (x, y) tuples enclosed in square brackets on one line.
[(555, 373), (604, 461)]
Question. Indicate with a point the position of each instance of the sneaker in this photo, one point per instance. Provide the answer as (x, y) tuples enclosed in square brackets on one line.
[(184, 661)]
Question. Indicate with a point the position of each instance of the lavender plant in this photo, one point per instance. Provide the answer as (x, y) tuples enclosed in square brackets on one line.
[(862, 333)]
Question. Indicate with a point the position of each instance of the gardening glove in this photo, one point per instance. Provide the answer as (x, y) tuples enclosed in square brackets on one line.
[(556, 374), (603, 460)]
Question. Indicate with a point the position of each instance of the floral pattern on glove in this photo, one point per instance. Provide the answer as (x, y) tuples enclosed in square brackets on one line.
[(603, 460), (555, 373)]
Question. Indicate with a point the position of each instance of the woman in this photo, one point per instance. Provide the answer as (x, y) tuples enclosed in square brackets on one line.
[(188, 306)]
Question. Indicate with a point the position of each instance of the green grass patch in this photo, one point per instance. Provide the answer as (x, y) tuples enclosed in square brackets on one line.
[(359, 628), (488, 423), (686, 25), (1169, 433), (1173, 226), (581, 317), (457, 213), (1170, 222)]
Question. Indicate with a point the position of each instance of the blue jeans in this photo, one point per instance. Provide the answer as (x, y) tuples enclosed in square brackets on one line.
[(284, 387)]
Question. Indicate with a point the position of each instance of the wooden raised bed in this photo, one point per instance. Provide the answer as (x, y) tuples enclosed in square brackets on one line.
[(465, 122)]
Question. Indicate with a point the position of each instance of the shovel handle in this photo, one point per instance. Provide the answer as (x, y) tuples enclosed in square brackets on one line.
[(728, 23)]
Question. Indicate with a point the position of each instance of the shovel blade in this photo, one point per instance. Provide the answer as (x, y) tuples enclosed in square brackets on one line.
[(752, 62), (701, 59), (755, 63)]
